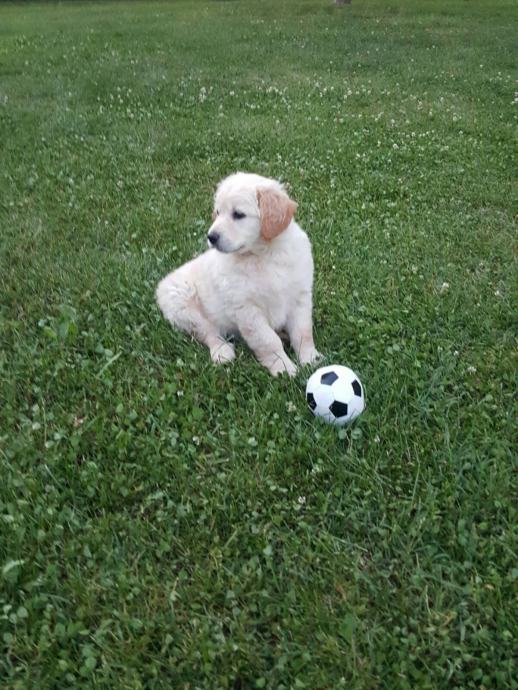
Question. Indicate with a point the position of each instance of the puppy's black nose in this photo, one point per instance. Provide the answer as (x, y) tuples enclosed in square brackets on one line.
[(213, 237)]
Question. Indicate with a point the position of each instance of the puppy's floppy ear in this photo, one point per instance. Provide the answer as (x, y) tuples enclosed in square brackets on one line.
[(276, 211)]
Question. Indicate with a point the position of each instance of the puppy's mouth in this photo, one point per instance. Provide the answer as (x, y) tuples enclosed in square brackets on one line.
[(225, 250)]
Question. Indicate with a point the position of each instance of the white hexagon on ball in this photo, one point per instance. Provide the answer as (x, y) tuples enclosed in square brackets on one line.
[(335, 394)]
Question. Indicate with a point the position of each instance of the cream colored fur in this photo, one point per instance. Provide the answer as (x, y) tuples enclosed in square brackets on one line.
[(255, 281)]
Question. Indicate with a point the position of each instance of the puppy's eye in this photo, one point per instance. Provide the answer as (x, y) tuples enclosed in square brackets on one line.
[(237, 215)]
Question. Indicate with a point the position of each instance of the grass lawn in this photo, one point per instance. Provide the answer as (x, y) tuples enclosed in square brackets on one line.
[(167, 524)]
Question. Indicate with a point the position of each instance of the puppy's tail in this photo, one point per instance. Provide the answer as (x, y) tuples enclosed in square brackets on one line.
[(176, 299)]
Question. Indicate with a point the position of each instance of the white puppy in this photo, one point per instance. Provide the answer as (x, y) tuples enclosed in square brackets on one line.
[(255, 280)]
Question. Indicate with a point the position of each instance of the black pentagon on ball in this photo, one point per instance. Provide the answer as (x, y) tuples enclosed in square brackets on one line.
[(357, 388), (339, 409), (311, 400), (329, 378)]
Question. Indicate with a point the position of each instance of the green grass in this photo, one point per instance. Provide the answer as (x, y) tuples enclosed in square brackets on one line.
[(166, 524)]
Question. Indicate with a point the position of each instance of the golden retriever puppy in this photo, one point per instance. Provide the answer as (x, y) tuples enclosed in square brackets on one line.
[(255, 280)]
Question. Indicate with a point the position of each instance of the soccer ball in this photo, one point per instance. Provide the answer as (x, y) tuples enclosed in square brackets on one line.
[(335, 394)]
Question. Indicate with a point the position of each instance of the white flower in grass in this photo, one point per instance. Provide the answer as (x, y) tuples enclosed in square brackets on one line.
[(445, 286), (301, 500), (472, 370)]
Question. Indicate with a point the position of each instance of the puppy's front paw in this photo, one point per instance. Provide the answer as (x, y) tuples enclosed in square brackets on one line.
[(283, 366), (309, 356), (222, 354)]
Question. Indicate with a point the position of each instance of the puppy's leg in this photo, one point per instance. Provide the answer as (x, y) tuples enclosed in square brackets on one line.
[(300, 330), (180, 305), (265, 343)]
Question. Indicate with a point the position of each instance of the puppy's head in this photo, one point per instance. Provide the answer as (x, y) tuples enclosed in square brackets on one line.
[(249, 212)]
